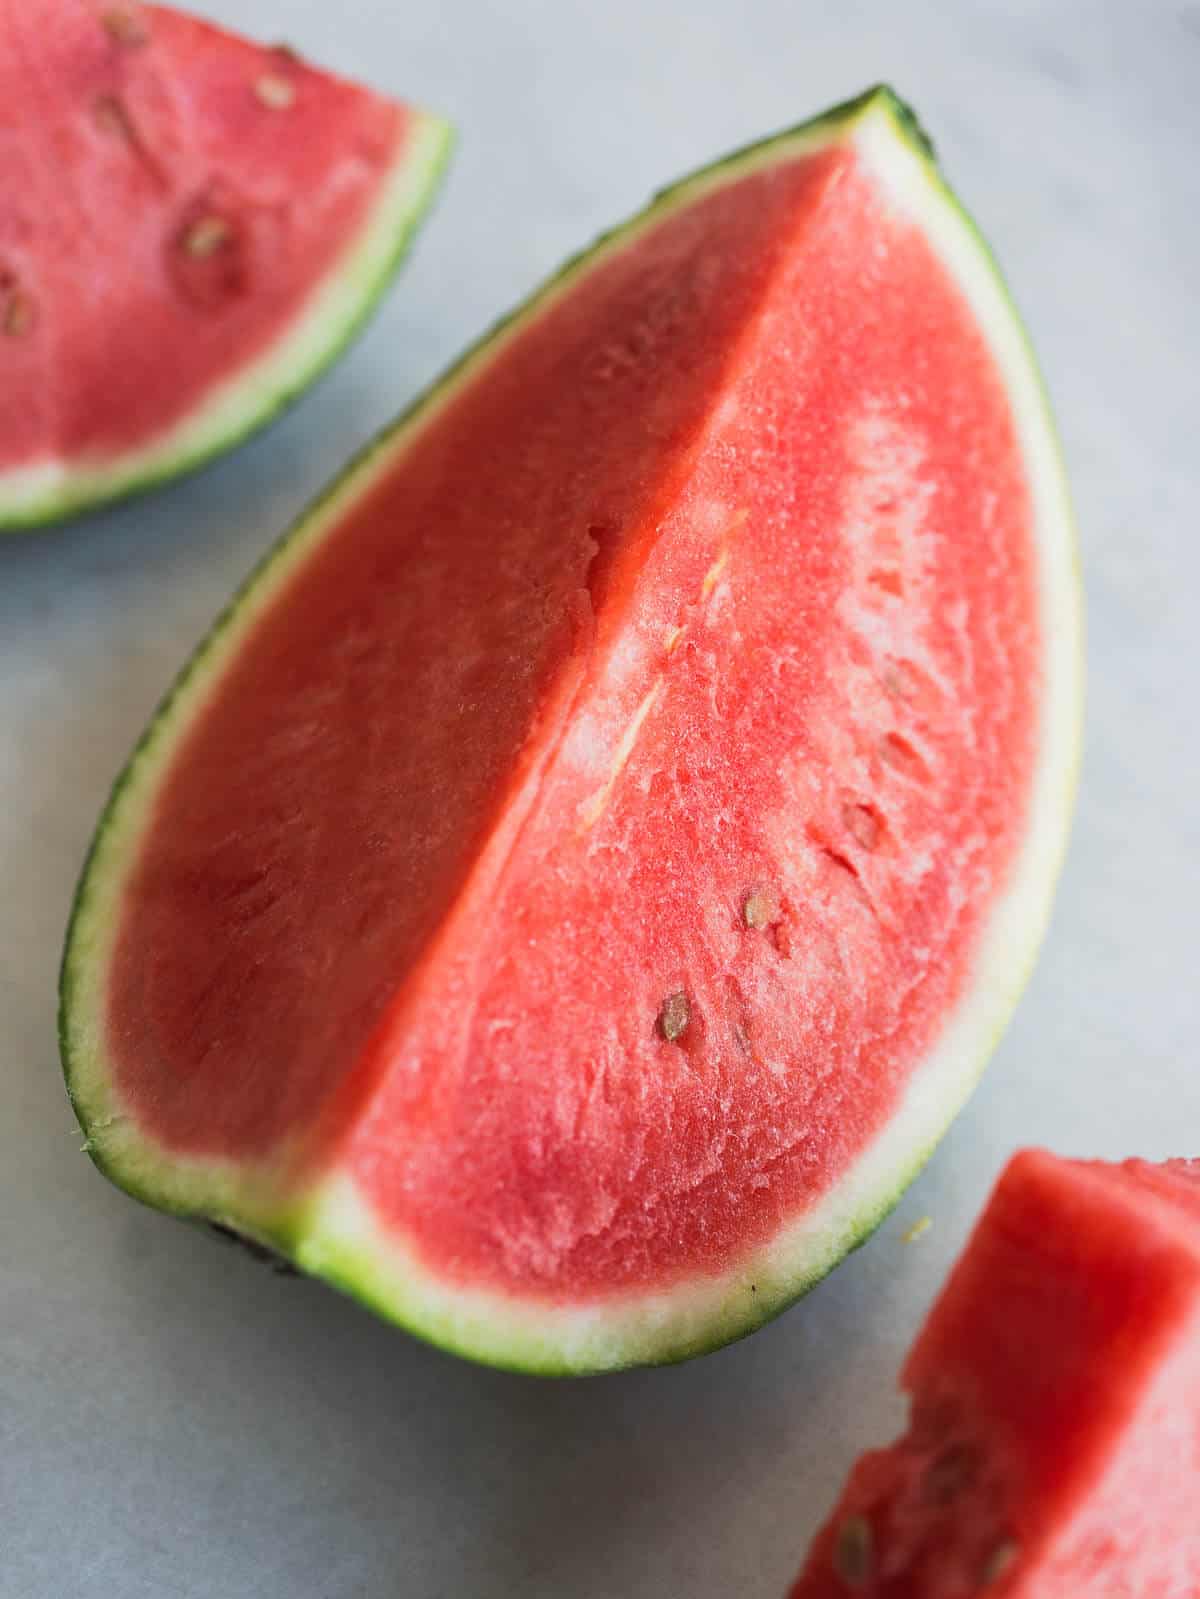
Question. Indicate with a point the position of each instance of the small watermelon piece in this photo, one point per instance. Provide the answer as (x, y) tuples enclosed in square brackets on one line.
[(1054, 1445), (578, 880), (191, 228)]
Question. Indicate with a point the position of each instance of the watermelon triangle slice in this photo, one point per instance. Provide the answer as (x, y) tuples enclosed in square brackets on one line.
[(580, 877), (191, 228), (1055, 1434)]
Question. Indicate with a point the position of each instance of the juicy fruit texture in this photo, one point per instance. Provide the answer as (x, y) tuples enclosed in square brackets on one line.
[(1054, 1446), (190, 227), (571, 894)]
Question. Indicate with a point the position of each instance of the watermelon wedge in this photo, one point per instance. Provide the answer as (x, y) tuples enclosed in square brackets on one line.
[(575, 884), (191, 228), (1054, 1446)]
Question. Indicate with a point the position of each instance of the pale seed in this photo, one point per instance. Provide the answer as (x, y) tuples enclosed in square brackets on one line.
[(275, 92), (918, 1230), (674, 1016), (205, 238), (1000, 1562), (18, 318), (854, 1552), (125, 26), (758, 910)]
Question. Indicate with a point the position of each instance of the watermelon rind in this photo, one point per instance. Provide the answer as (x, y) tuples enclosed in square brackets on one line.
[(327, 1229), (256, 394)]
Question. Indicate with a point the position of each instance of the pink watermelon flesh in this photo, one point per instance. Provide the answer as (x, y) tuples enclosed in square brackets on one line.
[(1054, 1445), (170, 195), (589, 839)]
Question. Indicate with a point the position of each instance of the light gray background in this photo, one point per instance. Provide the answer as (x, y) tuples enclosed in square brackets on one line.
[(175, 1420)]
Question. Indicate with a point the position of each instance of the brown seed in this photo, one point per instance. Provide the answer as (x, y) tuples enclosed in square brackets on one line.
[(674, 1016), (1000, 1562), (760, 909), (205, 238), (125, 26), (854, 1552), (275, 91), (19, 316)]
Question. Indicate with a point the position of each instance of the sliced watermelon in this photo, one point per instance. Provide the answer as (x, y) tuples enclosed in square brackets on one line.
[(191, 228), (1054, 1446), (576, 883)]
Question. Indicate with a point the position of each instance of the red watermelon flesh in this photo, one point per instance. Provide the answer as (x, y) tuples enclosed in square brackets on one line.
[(467, 782), (1054, 1445), (580, 848), (173, 202)]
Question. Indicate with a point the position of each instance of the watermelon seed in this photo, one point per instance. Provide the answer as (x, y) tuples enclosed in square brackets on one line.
[(854, 1552), (760, 909), (674, 1016), (19, 317), (125, 27), (275, 92), (205, 238), (1000, 1562)]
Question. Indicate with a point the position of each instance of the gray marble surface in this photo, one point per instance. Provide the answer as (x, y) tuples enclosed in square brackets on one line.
[(175, 1420)]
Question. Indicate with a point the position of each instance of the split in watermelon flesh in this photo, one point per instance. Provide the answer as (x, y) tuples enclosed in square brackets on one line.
[(574, 886), (1054, 1445), (191, 228)]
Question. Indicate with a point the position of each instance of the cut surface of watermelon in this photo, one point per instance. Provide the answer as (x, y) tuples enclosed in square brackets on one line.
[(191, 227), (575, 885), (1054, 1445)]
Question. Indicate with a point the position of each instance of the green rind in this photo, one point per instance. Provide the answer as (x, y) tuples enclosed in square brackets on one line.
[(354, 1274), (295, 1230), (68, 499), (356, 1281)]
